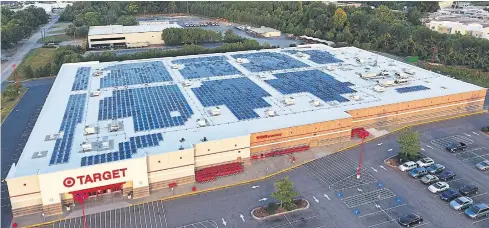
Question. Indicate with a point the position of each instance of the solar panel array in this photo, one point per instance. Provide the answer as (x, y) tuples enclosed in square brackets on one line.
[(81, 79), (126, 149), (150, 108), (267, 61), (240, 95), (72, 117), (410, 89), (134, 74), (318, 56), (316, 82), (206, 67)]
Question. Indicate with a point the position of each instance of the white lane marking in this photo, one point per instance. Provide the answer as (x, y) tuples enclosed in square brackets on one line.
[(289, 221), (422, 149), (429, 147), (224, 222), (389, 150), (467, 134), (242, 217), (374, 169), (480, 220), (315, 199), (380, 144), (475, 133), (381, 211), (382, 167), (327, 196)]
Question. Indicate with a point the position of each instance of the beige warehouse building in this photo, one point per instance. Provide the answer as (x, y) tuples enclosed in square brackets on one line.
[(265, 32), (142, 35), (139, 126)]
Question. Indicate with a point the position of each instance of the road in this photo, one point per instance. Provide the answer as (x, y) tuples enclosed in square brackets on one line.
[(29, 44)]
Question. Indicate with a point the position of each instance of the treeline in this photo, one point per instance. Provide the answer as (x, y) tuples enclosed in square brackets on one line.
[(19, 25), (173, 36)]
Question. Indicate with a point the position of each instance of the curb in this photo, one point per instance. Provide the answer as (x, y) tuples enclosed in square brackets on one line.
[(15, 105), (279, 214), (278, 172), (392, 166)]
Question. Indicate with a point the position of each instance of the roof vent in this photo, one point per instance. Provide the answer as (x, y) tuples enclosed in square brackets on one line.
[(401, 75), (187, 83), (105, 143), (316, 103), (202, 122), (368, 75), (261, 75), (90, 130), (97, 73), (240, 60), (409, 71), (114, 126), (95, 93), (52, 136), (271, 113), (86, 146), (384, 73), (355, 97), (216, 111), (379, 89), (299, 54), (176, 66), (401, 81), (289, 101)]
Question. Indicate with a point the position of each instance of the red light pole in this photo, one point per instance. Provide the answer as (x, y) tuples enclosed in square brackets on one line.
[(359, 169), (363, 134), (80, 198)]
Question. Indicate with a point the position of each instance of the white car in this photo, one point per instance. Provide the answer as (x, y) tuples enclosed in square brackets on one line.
[(425, 162), (438, 187), (407, 166), (483, 165)]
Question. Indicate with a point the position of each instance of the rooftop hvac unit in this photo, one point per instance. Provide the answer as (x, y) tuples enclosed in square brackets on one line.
[(387, 83), (368, 75), (187, 83), (216, 111), (105, 143), (289, 101), (401, 75), (86, 146), (114, 126), (202, 122), (355, 97), (379, 89), (271, 113), (240, 60), (409, 71), (97, 73), (330, 68), (95, 93), (359, 60), (316, 103), (299, 54), (52, 136), (176, 66), (262, 75), (384, 73), (90, 130), (401, 81)]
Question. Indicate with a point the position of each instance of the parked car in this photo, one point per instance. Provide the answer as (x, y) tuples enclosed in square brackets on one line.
[(456, 147), (425, 162), (477, 210), (410, 219), (468, 190), (418, 172), (435, 168), (449, 195), (483, 165), (438, 187), (461, 203), (429, 179), (407, 166), (446, 175)]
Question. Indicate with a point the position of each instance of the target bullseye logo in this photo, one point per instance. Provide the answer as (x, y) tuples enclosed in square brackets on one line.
[(69, 182)]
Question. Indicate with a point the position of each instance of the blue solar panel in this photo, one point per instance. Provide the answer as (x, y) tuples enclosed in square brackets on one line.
[(320, 57), (73, 116), (409, 89), (125, 150), (240, 95), (81, 79), (206, 67), (267, 61), (135, 73), (316, 82), (150, 107)]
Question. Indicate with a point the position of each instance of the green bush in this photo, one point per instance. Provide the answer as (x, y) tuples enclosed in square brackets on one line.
[(271, 208), (485, 129)]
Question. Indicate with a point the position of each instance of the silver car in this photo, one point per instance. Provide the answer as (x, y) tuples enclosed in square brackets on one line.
[(483, 165), (461, 203), (429, 179)]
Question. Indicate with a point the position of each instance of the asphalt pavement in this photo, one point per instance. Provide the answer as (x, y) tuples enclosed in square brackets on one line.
[(28, 45)]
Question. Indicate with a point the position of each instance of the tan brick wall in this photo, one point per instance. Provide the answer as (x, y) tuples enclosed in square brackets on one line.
[(27, 210), (164, 184)]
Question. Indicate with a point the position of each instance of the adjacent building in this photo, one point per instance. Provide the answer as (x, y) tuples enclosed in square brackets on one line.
[(142, 35), (265, 32)]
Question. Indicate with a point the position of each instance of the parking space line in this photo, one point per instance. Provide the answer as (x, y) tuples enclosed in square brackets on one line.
[(452, 180), (289, 221), (479, 195), (422, 224), (164, 214), (378, 224), (480, 220), (389, 216), (381, 211)]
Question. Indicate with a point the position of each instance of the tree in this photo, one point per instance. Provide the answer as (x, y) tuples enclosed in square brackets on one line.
[(339, 18), (10, 92), (132, 8), (410, 144), (27, 71), (285, 193), (414, 15), (266, 45)]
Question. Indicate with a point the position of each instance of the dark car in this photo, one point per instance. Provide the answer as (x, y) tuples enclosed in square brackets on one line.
[(435, 168), (449, 195), (456, 147), (468, 190), (446, 175), (410, 219)]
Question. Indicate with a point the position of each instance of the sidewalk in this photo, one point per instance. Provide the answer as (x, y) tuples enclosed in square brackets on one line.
[(256, 171)]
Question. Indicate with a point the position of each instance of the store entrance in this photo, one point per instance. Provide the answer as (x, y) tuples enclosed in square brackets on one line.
[(99, 192)]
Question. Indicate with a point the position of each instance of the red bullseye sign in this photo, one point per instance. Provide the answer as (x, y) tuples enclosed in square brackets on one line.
[(69, 182), (95, 177)]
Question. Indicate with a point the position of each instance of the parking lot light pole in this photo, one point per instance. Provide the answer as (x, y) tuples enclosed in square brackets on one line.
[(359, 168)]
